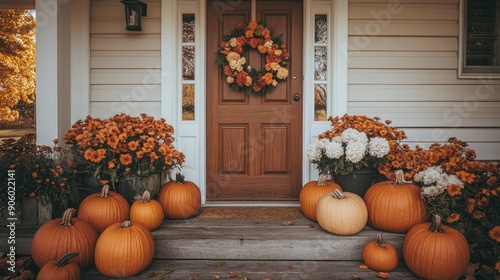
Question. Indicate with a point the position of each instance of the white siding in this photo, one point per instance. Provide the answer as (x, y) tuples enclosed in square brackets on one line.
[(403, 63), (125, 66)]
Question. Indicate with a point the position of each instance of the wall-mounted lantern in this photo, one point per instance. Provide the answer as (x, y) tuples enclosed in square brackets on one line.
[(134, 11)]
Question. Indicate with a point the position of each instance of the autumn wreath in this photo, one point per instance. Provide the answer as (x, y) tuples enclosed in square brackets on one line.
[(242, 77)]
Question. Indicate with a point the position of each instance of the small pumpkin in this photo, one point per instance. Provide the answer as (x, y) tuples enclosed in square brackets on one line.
[(380, 255), (436, 252), (180, 199), (104, 208), (67, 234), (311, 193), (124, 249), (61, 269), (342, 213), (395, 206), (147, 211)]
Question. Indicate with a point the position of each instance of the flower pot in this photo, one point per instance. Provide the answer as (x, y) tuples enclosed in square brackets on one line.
[(132, 188), (358, 181)]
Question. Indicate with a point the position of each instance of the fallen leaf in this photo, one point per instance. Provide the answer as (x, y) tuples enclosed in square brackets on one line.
[(266, 278), (232, 274), (363, 266), (168, 271), (312, 226), (152, 274), (356, 277), (291, 267), (216, 277), (261, 264), (288, 223), (383, 275), (219, 264)]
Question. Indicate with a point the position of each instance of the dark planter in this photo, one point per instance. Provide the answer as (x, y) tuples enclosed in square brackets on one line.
[(133, 188), (358, 181)]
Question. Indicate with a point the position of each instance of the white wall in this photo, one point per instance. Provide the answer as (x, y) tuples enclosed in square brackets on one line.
[(403, 63)]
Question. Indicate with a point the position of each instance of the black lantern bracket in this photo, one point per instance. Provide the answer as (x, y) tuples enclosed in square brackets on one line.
[(134, 11)]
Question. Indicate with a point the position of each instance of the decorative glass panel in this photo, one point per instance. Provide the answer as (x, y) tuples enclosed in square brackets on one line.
[(320, 29), (188, 63), (320, 63), (320, 102), (188, 28), (188, 102)]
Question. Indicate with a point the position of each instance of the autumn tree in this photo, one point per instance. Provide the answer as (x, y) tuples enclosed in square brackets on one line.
[(17, 61)]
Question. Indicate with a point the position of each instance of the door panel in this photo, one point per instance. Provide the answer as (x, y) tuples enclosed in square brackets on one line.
[(254, 143)]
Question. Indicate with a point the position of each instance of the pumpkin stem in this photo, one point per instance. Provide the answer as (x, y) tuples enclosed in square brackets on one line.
[(380, 240), (179, 178), (338, 194), (146, 196), (436, 224), (321, 180), (105, 191), (400, 178), (126, 224), (66, 217), (65, 259)]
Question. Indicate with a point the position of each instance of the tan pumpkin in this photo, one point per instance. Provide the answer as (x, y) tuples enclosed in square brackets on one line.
[(180, 199), (147, 211), (311, 193), (60, 236), (436, 252), (104, 208), (395, 206), (61, 269), (342, 213), (380, 255), (124, 249)]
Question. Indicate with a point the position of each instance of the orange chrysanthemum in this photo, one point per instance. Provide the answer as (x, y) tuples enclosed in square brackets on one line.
[(125, 159), (497, 266), (494, 233), (454, 217), (454, 190), (133, 145)]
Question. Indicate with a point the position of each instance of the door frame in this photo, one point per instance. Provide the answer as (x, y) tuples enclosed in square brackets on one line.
[(191, 135)]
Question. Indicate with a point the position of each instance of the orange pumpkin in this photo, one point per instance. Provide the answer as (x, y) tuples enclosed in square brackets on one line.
[(67, 234), (124, 249), (342, 213), (436, 252), (61, 269), (311, 193), (147, 211), (380, 255), (180, 199), (395, 206), (104, 208)]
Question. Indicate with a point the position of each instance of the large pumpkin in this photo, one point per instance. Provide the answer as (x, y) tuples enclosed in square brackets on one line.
[(380, 255), (311, 193), (124, 249), (104, 208), (60, 236), (342, 213), (61, 269), (180, 199), (147, 211), (436, 252), (395, 206)]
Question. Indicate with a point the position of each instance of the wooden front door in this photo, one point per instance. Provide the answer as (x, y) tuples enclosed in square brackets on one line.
[(254, 143)]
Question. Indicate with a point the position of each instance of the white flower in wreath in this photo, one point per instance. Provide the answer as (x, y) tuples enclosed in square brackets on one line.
[(268, 44), (230, 79), (282, 73), (378, 147), (233, 42), (274, 83), (355, 151)]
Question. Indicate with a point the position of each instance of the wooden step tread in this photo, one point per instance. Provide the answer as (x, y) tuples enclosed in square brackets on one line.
[(256, 270)]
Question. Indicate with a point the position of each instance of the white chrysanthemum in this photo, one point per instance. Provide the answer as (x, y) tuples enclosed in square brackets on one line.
[(453, 180), (232, 42), (431, 191), (378, 147), (314, 152), (337, 139), (352, 134), (322, 143), (234, 64), (429, 176), (355, 151), (334, 150)]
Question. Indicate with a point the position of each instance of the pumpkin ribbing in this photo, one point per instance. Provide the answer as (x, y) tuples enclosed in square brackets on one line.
[(147, 211), (380, 255), (312, 192), (61, 269)]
